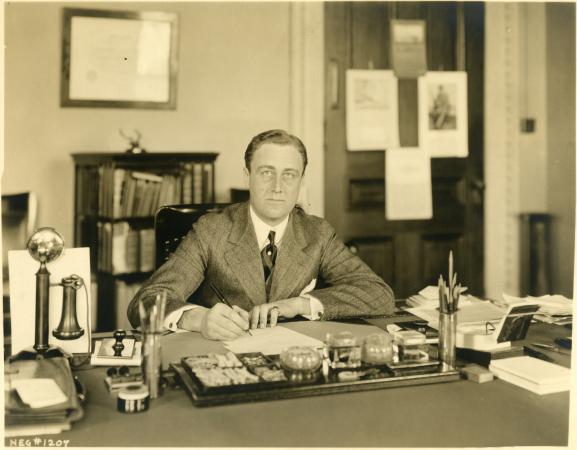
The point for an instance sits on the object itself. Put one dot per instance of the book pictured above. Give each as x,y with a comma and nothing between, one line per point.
147,249
484,357
155,198
197,183
207,194
187,184
538,376
55,427
119,261
132,250
119,175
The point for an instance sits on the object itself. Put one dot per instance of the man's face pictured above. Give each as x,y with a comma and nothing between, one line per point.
274,181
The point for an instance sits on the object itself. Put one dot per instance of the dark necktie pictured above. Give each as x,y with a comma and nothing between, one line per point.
268,255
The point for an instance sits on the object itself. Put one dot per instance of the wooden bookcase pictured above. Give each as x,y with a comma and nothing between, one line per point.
115,198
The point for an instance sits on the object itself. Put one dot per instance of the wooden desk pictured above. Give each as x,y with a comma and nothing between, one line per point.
455,414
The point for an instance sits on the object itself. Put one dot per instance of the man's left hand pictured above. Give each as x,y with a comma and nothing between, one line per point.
270,312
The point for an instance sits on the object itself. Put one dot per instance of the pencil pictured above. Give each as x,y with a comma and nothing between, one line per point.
451,269
223,299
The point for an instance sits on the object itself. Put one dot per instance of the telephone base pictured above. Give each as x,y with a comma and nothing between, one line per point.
31,353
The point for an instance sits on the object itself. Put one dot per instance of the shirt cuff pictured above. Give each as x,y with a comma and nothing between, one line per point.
317,308
171,321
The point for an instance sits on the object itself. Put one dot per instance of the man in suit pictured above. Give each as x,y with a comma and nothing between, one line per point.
267,257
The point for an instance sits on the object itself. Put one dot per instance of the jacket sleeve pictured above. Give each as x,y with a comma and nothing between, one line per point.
179,277
353,288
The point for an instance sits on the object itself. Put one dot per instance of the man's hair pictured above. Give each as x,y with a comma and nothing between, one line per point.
280,137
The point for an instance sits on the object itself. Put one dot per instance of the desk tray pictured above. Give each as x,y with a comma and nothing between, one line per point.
295,385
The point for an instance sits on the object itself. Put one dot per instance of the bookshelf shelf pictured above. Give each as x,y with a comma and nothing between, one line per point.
115,198
135,219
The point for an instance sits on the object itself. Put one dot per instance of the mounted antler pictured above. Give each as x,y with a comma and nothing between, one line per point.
133,141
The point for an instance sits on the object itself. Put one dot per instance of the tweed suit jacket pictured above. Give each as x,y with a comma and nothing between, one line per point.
221,248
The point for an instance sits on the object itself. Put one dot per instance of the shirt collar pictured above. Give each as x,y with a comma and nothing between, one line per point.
262,229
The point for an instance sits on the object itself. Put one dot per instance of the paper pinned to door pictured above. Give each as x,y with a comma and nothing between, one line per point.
372,110
408,190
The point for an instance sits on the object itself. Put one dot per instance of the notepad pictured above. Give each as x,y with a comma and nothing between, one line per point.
534,374
39,392
270,341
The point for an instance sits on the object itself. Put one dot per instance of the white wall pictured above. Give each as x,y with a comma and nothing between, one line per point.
235,79
529,72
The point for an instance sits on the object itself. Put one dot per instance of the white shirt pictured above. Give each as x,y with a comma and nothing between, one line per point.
261,230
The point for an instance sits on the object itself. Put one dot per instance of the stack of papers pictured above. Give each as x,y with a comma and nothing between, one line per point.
536,375
429,298
553,308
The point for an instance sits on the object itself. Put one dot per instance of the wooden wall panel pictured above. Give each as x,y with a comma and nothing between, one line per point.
441,36
435,251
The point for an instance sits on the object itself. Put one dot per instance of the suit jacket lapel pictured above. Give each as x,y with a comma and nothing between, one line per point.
290,265
243,256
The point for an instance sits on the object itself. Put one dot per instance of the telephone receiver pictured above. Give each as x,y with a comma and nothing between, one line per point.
69,328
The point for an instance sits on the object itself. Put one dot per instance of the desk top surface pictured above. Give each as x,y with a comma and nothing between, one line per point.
454,414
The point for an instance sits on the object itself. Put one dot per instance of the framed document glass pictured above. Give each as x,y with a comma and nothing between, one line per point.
119,59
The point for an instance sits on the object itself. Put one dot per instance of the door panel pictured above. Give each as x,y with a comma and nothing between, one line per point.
407,254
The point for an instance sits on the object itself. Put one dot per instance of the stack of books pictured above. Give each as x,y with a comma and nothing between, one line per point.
535,375
40,397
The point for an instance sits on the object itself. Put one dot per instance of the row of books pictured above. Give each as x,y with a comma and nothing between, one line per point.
128,193
87,200
123,249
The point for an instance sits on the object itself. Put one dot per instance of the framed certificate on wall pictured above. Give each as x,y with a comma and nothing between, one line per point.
119,59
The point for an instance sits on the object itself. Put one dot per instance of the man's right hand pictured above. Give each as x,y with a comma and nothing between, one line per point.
221,322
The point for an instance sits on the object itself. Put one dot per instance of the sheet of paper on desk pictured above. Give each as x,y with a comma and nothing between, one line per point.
479,311
270,341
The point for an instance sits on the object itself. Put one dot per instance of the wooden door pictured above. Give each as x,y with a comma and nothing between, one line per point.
407,254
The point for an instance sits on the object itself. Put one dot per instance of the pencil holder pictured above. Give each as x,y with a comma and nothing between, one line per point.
152,362
447,337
